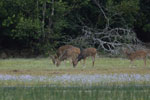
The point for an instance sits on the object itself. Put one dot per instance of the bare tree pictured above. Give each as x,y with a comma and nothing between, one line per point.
80,42
110,39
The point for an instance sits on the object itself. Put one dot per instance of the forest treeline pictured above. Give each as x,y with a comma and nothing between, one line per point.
44,25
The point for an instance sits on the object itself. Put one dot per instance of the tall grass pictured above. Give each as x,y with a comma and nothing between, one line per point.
76,93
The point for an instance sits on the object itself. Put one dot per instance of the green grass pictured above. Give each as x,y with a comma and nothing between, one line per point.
16,90
76,93
21,63
46,63
44,66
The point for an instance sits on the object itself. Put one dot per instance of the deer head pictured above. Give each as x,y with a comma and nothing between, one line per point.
75,62
57,62
54,58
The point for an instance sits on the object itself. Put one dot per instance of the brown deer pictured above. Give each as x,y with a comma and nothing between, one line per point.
89,52
59,52
71,53
138,54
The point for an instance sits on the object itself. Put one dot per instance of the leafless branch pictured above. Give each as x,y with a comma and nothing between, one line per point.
109,39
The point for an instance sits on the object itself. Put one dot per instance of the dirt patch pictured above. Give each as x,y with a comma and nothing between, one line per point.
49,72
15,70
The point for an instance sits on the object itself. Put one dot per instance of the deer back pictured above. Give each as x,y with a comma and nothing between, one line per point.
86,53
139,54
69,53
136,54
62,49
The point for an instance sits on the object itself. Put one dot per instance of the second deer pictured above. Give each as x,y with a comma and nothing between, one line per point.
70,53
138,54
59,52
88,52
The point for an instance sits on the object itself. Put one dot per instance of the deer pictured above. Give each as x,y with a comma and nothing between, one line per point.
59,52
71,53
138,54
88,52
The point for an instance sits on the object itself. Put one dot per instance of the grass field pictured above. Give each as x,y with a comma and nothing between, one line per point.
39,79
72,93
45,67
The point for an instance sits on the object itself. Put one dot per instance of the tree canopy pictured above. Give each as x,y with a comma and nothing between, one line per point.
44,25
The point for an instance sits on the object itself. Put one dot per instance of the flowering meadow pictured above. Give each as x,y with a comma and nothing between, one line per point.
78,80
39,79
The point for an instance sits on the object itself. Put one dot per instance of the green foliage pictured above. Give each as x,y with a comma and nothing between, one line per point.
144,15
45,25
123,11
146,28
59,17
27,28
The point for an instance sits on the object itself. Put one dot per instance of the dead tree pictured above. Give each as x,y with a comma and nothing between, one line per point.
109,39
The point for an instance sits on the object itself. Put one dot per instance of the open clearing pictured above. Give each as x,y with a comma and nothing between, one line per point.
44,66
43,71
39,79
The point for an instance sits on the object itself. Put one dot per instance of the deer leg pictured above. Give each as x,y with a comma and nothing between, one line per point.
73,62
53,60
93,60
84,62
131,62
80,61
65,62
145,61
70,61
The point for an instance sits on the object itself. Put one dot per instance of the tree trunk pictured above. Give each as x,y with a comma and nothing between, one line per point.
43,20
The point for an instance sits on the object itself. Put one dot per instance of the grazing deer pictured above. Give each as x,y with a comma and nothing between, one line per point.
68,53
89,52
59,52
142,54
